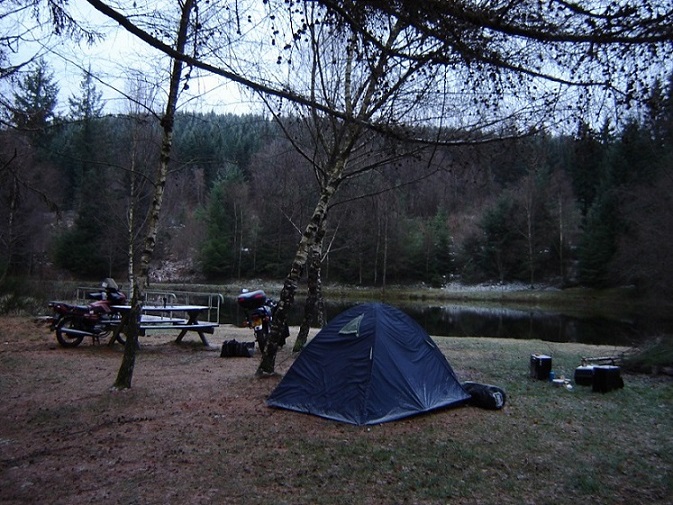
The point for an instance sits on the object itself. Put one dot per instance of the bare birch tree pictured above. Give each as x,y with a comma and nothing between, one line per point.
141,279
365,80
519,64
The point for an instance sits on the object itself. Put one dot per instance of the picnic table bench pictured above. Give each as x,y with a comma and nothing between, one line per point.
163,317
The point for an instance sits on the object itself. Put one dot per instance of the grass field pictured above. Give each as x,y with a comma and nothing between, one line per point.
549,445
65,439
195,429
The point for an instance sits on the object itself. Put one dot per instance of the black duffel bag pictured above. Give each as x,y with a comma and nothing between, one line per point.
485,396
235,349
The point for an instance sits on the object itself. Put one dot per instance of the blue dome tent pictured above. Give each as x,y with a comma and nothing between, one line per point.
371,364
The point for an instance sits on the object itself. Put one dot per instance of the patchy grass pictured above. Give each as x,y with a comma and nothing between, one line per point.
550,445
195,429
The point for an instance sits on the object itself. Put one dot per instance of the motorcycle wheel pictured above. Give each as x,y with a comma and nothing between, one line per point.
64,339
121,338
262,338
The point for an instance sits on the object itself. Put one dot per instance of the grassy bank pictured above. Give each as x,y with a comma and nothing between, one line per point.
549,445
557,446
608,301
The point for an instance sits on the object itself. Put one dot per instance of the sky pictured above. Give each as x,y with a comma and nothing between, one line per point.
118,62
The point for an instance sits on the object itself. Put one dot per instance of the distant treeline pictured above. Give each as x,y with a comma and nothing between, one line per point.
591,208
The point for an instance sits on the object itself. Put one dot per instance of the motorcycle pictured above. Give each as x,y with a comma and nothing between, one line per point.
259,311
74,322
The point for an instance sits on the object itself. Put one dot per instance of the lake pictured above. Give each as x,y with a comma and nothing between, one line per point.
505,322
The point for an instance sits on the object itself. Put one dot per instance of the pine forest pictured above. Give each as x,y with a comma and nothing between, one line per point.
589,207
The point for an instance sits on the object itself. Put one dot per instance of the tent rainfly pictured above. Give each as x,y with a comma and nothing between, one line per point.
371,364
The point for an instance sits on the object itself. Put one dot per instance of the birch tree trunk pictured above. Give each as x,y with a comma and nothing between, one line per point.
314,293
313,234
338,149
141,281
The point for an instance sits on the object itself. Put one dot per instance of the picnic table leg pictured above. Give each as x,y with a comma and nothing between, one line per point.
115,334
117,330
193,320
203,339
121,327
184,332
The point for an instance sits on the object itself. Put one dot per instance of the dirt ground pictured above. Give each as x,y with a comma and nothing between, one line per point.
184,433
195,429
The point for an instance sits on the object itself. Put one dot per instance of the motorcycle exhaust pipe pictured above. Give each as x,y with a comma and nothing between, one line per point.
76,333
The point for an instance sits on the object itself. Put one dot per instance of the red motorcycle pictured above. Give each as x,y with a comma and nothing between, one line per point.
74,322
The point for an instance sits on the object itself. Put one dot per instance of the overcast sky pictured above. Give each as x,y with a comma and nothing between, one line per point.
120,60
117,62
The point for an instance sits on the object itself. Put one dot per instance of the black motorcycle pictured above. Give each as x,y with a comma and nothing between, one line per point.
98,319
259,311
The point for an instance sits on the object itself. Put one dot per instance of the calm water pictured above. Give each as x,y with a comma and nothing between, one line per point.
497,321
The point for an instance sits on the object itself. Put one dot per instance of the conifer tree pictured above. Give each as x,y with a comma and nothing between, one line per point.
217,254
88,104
84,249
85,109
34,107
599,241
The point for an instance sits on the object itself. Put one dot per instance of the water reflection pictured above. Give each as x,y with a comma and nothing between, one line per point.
505,322
459,320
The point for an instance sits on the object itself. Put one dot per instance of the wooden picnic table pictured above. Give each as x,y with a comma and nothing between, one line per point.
163,317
